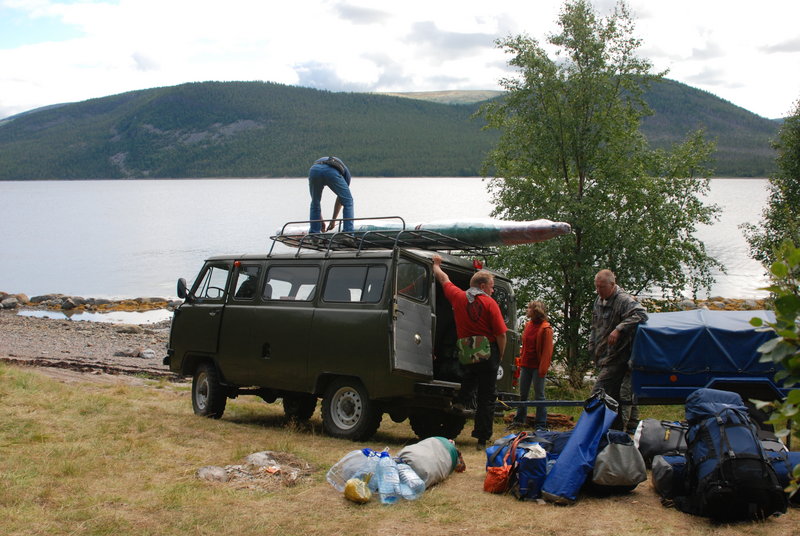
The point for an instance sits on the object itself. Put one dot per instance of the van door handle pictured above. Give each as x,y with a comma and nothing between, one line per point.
213,312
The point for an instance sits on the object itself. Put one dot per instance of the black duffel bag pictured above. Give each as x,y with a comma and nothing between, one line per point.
654,437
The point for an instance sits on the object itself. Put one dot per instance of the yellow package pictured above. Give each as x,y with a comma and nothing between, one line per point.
357,491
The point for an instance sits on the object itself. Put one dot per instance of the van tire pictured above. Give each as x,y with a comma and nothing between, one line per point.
347,411
208,394
430,423
299,407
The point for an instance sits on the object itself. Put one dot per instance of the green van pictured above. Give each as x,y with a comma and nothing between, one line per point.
363,327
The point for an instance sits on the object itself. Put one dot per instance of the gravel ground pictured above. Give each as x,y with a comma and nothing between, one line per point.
86,347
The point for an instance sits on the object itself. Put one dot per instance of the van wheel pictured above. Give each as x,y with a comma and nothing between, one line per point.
429,423
347,411
300,406
208,394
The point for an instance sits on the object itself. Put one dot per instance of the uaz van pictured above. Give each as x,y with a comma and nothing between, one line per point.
356,321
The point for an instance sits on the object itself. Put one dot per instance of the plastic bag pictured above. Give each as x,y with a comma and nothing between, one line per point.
356,463
357,490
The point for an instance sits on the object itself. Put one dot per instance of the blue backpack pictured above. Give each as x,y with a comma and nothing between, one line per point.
728,476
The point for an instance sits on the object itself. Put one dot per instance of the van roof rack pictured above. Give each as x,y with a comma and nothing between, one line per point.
389,232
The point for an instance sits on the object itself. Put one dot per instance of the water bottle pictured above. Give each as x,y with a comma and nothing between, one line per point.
356,463
388,479
411,485
369,470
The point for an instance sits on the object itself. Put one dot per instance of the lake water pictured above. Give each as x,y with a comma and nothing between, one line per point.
121,239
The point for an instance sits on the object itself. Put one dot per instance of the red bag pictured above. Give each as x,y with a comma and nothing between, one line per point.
498,479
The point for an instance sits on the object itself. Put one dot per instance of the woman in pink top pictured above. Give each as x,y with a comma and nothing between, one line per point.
535,356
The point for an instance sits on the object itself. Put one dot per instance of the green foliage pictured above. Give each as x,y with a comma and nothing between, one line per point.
781,217
254,129
784,349
571,150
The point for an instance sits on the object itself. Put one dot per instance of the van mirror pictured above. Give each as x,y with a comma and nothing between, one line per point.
183,293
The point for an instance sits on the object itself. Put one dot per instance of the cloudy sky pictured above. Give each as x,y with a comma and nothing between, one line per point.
54,51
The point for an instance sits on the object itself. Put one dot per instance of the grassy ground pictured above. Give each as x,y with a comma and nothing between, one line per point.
94,458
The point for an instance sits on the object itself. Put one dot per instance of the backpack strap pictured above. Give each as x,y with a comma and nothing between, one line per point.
512,450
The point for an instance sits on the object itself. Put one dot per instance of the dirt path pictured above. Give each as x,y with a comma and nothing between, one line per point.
84,347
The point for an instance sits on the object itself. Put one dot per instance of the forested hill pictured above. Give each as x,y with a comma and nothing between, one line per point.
256,129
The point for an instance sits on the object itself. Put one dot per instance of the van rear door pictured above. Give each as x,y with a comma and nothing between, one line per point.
413,321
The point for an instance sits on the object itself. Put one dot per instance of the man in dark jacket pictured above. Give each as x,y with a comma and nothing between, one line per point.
614,318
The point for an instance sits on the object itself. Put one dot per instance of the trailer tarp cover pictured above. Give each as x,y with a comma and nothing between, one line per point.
701,341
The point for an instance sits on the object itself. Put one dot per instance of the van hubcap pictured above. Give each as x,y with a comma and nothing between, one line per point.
347,408
201,394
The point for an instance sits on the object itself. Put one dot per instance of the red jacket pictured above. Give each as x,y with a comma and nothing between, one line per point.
537,346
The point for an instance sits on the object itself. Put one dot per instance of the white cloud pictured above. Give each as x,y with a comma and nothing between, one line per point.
748,56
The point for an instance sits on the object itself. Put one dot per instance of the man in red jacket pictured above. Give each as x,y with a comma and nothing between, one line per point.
476,313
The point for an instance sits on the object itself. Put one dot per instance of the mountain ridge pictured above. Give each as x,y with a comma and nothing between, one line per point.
262,129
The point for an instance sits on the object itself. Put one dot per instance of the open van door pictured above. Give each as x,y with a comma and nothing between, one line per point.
413,321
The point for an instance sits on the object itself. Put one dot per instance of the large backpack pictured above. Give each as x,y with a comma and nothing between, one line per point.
728,475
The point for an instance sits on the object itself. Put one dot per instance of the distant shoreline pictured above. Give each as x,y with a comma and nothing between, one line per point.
78,304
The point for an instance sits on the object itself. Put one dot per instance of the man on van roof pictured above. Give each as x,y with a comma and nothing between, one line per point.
331,172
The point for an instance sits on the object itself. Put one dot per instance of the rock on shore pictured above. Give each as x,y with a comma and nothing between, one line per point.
65,302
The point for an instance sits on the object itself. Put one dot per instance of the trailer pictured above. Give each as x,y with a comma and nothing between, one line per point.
676,353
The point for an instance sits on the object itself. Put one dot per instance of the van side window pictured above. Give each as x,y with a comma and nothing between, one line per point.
246,284
298,283
212,286
355,284
412,279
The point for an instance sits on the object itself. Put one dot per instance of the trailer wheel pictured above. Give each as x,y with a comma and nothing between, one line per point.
429,423
208,394
347,411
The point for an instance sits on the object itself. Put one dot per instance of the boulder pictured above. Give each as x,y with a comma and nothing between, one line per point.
687,305
10,302
150,300
128,328
46,298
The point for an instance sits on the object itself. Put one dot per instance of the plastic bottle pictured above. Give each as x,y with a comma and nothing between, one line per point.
371,471
388,479
356,463
411,485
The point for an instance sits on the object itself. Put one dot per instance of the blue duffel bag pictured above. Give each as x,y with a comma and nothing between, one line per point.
576,461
